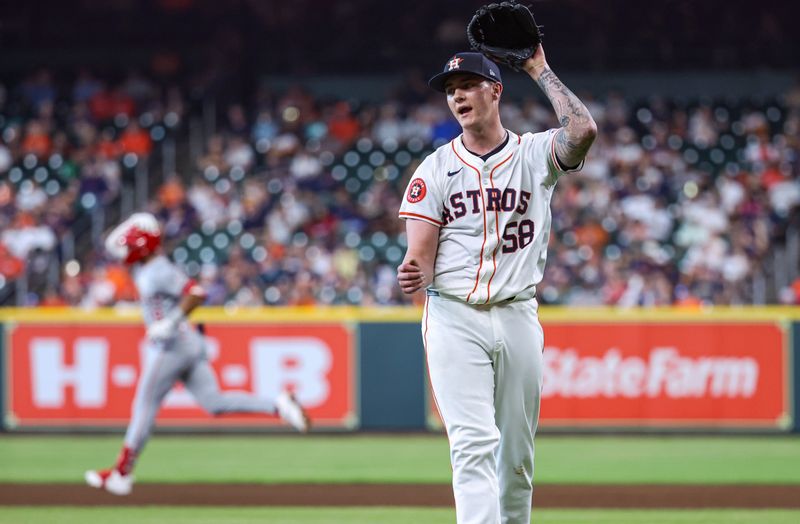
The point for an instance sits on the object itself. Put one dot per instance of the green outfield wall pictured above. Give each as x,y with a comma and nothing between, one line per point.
655,370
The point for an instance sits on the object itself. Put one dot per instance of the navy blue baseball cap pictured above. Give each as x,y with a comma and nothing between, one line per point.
474,63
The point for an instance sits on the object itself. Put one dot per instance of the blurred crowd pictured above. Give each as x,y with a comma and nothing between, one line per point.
292,200
680,204
65,152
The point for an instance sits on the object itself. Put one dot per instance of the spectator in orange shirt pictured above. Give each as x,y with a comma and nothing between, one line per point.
136,140
106,145
11,267
7,198
791,294
171,194
101,105
37,140
105,105
342,125
52,298
124,288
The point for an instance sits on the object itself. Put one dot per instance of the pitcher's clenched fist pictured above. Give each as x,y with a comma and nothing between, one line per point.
410,277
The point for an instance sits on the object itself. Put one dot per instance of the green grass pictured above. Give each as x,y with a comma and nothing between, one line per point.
215,515
665,517
664,460
416,459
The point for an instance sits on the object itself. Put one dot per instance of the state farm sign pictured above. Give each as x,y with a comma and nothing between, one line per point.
87,375
664,372
704,374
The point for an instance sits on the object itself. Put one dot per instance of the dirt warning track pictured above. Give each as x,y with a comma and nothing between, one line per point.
431,495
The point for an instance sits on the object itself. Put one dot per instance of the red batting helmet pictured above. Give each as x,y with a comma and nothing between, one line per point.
140,243
136,238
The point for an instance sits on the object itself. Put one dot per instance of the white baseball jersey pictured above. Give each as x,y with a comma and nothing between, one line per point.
160,284
494,215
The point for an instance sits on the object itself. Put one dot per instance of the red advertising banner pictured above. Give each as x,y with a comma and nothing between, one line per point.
663,375
86,375
704,374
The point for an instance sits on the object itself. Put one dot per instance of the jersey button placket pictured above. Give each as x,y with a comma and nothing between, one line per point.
491,238
491,246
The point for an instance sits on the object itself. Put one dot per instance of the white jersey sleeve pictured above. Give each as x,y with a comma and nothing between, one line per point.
545,147
423,198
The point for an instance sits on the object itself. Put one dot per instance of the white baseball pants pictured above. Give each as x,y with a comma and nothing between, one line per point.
485,365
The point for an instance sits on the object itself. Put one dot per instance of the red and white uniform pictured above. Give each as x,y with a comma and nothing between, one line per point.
480,326
175,351
161,284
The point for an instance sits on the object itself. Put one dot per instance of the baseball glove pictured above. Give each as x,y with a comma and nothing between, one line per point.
504,32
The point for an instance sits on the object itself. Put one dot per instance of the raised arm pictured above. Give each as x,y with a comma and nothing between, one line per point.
578,129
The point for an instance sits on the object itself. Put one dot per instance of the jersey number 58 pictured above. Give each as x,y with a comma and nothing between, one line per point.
517,235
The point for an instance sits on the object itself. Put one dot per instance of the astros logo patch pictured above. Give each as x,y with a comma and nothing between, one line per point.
454,63
416,191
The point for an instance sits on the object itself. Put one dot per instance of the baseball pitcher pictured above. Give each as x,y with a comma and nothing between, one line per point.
478,218
177,350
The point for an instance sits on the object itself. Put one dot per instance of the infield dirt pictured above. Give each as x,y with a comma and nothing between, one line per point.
430,495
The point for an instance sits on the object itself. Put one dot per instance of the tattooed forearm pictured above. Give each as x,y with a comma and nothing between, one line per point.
578,129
